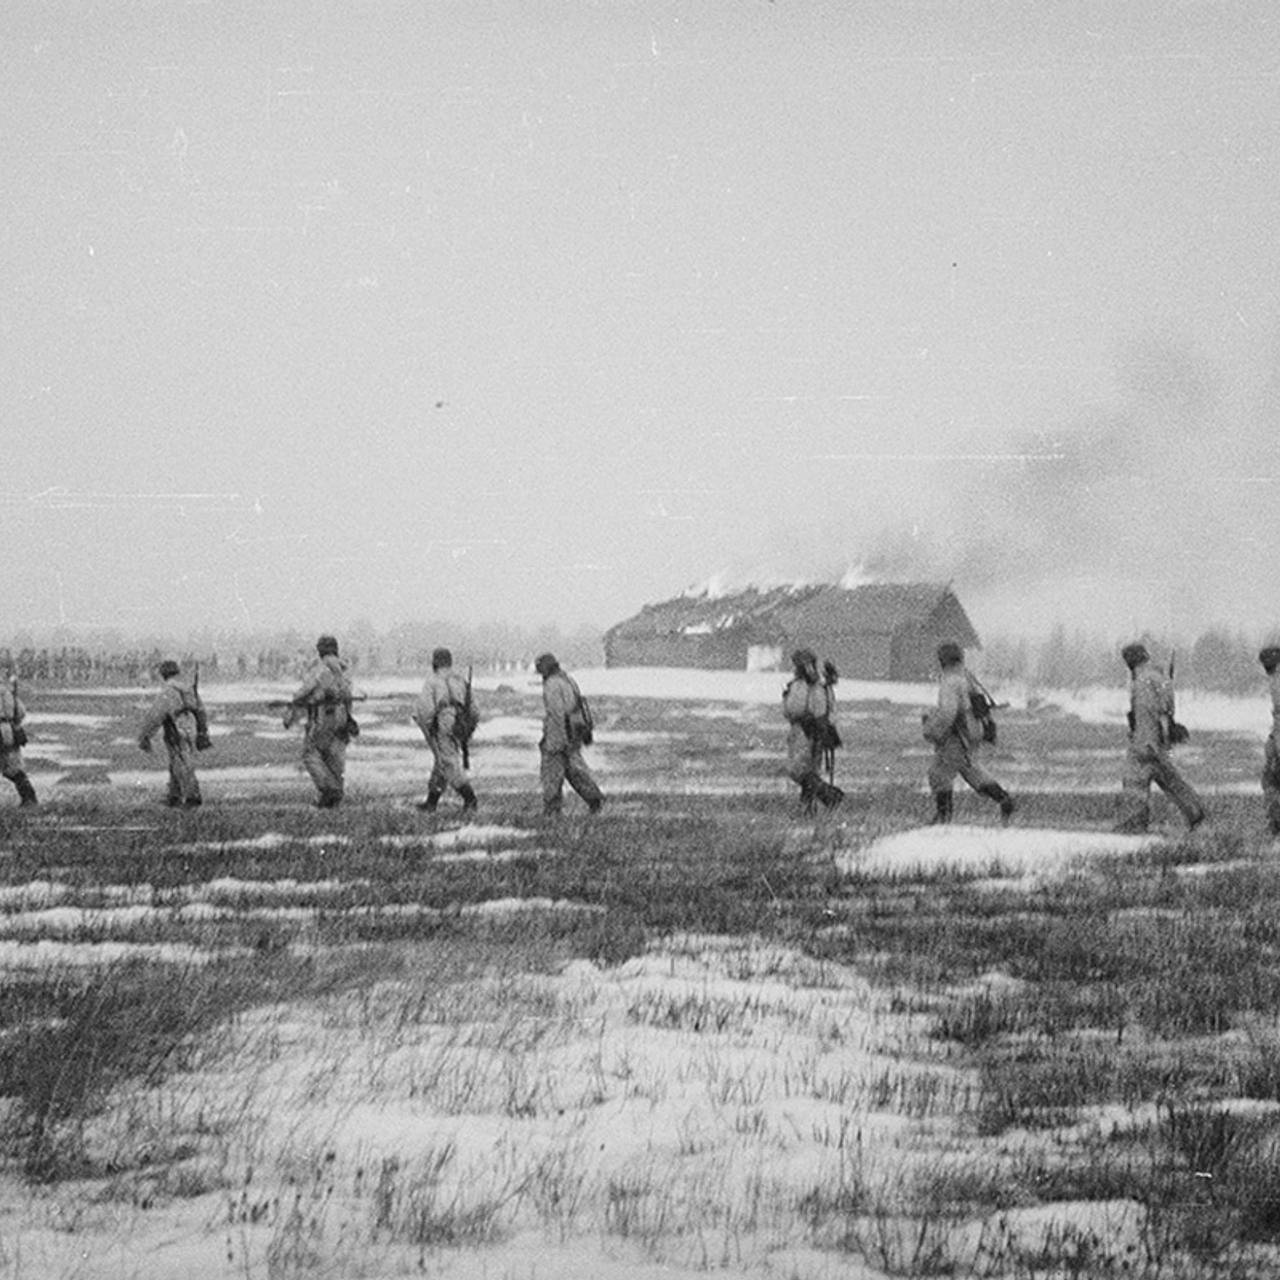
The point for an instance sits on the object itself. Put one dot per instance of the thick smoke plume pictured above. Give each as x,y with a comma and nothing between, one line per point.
1150,513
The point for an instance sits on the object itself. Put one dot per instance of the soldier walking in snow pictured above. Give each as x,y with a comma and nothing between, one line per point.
1152,730
566,729
1270,659
325,698
446,718
178,714
950,727
809,706
12,737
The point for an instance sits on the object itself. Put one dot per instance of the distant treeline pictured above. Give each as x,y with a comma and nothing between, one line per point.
107,659
1217,661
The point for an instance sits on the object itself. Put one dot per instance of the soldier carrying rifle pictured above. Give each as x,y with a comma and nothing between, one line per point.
446,715
178,714
12,739
809,705
325,698
1270,659
955,727
1152,731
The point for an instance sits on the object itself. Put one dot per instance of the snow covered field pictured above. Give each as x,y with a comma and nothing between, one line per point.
714,1102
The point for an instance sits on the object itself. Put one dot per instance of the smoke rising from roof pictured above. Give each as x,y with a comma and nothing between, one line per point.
1150,512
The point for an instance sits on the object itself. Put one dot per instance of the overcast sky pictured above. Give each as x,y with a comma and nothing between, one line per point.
541,311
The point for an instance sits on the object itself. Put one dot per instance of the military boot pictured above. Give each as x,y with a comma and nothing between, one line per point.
994,791
468,798
943,802
26,792
828,793
432,802
806,794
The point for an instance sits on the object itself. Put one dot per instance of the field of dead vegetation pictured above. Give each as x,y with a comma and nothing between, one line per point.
697,1034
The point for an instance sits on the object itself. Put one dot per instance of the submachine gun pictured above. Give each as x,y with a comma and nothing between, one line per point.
982,707
1177,733
203,741
465,719
828,735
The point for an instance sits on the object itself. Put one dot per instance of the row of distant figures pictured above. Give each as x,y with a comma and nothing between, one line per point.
77,666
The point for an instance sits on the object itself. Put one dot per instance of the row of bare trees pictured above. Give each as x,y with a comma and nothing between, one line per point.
1217,660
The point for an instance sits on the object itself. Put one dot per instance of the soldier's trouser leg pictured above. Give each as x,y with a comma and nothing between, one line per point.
552,775
1271,786
581,780
11,768
828,794
326,764
447,770
801,765
184,787
949,757
1179,790
1135,794
977,777
994,791
943,802
806,793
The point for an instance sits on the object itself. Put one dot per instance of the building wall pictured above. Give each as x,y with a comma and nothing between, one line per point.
719,651
857,655
915,653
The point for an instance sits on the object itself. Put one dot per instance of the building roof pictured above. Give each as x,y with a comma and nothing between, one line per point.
704,613
878,608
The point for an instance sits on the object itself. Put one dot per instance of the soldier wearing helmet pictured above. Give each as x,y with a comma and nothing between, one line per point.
441,714
566,729
178,714
1152,729
1270,659
12,737
951,729
809,706
324,697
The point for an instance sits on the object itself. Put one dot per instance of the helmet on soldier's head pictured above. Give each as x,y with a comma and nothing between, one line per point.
950,654
441,658
327,644
168,668
803,659
1270,658
1134,655
546,663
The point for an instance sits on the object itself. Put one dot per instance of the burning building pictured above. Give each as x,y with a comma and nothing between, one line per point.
871,630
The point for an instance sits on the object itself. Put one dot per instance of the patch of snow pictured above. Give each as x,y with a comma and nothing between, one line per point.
464,836
268,840
1012,850
50,954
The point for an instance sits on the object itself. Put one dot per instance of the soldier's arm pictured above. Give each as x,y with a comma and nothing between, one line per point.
161,708
940,721
558,697
303,695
